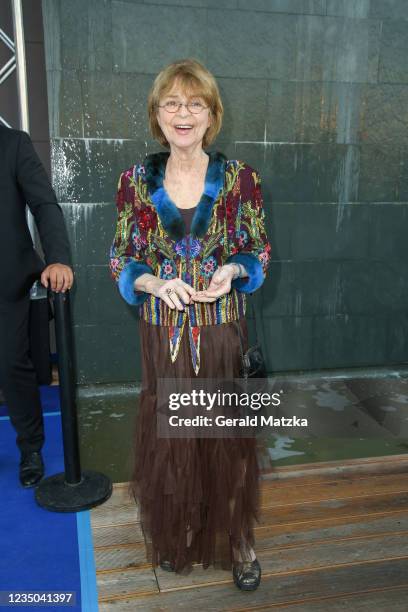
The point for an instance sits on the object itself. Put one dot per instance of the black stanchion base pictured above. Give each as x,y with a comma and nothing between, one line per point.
54,494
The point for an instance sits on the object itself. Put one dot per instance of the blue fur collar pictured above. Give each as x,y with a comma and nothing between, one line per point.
170,216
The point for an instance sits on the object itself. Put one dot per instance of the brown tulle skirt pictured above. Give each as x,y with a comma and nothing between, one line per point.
197,497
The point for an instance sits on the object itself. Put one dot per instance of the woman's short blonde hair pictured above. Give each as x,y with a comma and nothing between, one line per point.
194,80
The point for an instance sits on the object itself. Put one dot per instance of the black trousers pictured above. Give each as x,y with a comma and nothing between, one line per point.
18,378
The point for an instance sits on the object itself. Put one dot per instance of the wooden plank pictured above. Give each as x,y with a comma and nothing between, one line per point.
343,537
122,515
305,477
275,589
272,535
335,489
122,584
298,558
327,479
118,510
364,507
121,510
329,522
379,601
117,534
312,531
120,557
367,465
313,522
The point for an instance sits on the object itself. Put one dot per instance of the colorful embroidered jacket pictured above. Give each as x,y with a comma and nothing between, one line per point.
150,237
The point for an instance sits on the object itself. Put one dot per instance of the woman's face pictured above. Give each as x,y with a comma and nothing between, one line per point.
186,139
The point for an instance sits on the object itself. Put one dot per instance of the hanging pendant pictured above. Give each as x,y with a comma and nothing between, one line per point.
175,335
194,338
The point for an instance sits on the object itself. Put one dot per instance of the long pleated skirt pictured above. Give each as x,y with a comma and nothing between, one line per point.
197,497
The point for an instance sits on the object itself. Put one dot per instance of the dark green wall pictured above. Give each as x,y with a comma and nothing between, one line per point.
316,99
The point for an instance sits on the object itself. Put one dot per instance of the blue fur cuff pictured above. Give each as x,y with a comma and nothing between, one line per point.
254,269
127,277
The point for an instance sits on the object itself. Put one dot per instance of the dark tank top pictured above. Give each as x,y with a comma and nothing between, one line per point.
187,214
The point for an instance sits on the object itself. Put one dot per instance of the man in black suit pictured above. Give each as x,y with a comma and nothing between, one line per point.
23,180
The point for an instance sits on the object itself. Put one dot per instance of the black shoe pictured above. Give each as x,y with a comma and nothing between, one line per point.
167,566
31,468
247,576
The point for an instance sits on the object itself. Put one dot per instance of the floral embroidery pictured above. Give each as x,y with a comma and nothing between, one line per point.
265,257
208,266
114,263
242,238
138,241
168,269
181,246
146,219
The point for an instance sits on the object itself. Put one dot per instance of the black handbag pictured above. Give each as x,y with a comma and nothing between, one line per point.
252,368
252,360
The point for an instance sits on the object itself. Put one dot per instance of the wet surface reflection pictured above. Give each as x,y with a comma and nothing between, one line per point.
365,416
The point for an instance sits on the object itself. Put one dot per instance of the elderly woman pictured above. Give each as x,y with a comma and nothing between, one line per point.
190,245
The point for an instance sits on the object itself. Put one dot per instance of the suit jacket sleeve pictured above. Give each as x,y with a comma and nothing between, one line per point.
42,202
127,261
251,247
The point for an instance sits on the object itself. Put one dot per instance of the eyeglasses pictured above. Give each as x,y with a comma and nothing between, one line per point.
171,106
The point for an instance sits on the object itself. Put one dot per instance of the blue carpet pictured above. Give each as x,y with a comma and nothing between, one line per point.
42,550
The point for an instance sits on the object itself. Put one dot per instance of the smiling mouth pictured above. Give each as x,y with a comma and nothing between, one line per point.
183,130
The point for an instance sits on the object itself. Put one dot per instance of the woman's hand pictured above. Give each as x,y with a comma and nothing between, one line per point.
175,292
220,284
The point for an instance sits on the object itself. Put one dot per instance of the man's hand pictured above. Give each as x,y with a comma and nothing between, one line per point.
58,277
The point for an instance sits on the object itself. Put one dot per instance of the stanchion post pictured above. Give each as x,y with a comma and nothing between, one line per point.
69,418
74,490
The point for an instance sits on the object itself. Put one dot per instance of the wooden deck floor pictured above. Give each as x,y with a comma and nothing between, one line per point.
333,536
